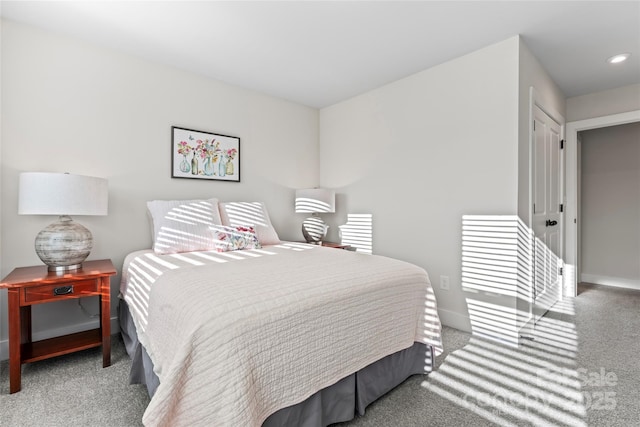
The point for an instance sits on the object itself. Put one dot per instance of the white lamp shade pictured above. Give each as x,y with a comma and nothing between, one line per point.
43,193
315,200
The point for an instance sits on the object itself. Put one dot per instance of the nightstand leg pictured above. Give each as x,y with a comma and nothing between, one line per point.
25,324
105,320
15,340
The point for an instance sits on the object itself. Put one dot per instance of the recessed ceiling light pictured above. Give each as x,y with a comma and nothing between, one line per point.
616,59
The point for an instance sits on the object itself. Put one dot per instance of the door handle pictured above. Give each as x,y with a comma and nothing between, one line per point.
550,223
63,290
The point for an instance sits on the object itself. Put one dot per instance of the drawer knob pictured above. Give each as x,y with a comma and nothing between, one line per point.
63,290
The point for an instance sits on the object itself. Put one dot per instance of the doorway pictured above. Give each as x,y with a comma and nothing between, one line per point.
609,205
572,236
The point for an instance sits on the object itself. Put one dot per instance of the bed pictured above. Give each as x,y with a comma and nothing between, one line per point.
282,334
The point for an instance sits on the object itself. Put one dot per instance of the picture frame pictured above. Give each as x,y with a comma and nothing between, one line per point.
198,154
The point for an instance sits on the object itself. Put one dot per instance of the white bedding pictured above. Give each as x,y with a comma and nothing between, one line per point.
235,336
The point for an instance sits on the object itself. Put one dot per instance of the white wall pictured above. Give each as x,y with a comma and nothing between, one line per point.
422,152
610,205
605,103
71,106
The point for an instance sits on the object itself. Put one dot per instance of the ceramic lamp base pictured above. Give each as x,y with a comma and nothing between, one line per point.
64,244
314,229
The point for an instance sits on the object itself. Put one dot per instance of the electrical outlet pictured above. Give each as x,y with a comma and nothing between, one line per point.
444,283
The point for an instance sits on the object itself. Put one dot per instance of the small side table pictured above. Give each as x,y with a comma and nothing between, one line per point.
336,245
35,285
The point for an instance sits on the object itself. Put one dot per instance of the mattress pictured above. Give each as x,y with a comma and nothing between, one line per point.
234,337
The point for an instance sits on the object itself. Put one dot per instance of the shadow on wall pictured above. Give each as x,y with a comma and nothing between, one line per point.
507,272
358,232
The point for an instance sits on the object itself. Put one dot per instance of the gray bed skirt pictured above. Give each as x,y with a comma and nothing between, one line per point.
336,403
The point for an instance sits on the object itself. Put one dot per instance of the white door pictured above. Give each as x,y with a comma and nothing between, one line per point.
547,212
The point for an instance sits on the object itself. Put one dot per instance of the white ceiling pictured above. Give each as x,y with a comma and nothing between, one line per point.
318,53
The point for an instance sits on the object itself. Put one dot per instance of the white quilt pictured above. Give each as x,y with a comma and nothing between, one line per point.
236,336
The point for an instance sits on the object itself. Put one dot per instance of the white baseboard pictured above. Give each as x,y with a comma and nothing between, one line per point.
618,282
454,320
50,333
526,331
463,323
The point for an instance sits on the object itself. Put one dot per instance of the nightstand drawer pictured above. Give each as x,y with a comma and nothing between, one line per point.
60,291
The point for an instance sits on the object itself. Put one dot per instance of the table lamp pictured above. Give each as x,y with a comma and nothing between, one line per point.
315,201
64,244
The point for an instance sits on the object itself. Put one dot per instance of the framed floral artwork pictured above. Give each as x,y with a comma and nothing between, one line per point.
204,155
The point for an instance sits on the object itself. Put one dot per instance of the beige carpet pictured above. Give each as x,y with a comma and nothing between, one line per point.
582,369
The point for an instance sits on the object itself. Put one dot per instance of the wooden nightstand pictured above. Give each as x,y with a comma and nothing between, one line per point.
35,285
336,245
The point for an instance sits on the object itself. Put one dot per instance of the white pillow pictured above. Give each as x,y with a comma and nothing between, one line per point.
184,225
250,214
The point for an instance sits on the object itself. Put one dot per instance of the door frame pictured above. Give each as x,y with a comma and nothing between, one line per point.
536,100
572,212
542,237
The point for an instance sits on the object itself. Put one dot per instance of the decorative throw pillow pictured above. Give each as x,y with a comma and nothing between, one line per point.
250,214
184,225
236,238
